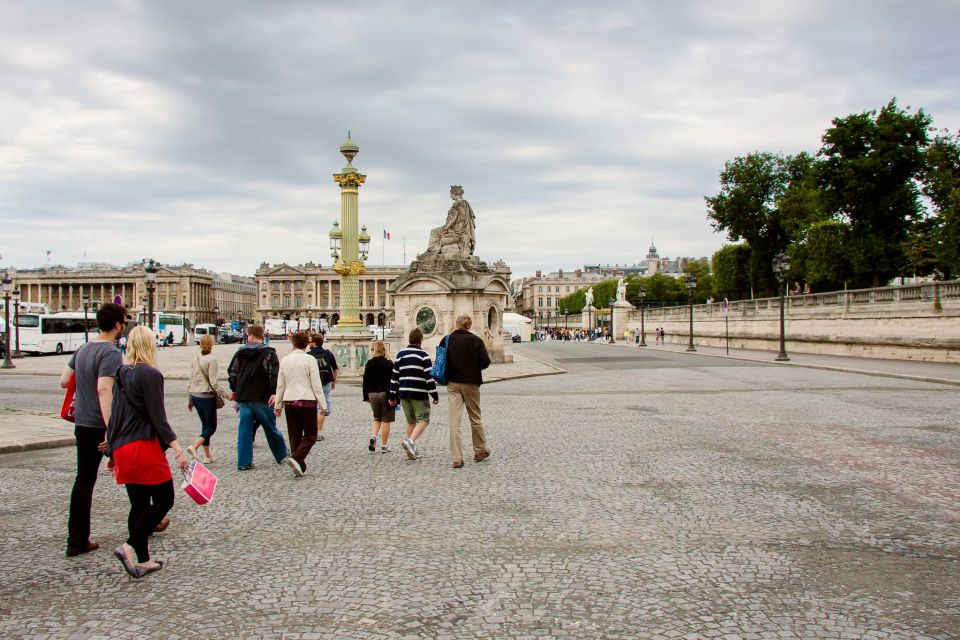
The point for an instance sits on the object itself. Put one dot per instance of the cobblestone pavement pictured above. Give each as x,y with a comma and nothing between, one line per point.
661,496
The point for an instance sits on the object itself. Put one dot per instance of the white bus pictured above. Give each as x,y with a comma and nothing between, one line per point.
164,323
56,333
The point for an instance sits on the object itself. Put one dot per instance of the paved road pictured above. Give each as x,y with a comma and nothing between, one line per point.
637,496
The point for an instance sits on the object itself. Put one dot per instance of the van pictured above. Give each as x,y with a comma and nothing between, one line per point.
204,329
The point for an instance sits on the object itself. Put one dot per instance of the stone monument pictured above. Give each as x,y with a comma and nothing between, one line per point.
589,311
448,279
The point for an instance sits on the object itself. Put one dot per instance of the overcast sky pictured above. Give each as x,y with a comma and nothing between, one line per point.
207,132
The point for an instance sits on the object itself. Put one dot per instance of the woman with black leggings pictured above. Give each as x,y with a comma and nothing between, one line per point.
138,434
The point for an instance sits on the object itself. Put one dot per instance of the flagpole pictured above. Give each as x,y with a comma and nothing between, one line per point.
383,247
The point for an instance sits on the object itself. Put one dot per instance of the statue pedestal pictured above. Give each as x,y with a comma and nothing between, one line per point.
588,317
621,314
351,348
436,289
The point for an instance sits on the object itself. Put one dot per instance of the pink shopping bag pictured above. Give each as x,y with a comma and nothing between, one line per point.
199,483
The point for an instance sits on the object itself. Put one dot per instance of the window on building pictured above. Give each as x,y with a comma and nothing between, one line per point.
299,302
276,301
540,302
558,288
336,301
276,285
286,301
539,289
568,289
549,302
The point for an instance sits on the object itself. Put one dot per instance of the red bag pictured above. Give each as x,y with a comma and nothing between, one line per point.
199,483
68,410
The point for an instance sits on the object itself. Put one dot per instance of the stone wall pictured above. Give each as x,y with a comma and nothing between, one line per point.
915,322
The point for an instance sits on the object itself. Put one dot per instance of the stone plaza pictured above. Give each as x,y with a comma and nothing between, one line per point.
641,494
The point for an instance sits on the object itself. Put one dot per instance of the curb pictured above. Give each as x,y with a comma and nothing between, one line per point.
37,446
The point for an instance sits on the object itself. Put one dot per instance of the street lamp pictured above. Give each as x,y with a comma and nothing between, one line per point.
216,318
336,235
7,285
86,320
143,303
16,322
383,321
613,334
781,266
364,242
150,268
183,322
642,293
691,285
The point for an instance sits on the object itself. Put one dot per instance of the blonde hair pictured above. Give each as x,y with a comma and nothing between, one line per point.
141,347
464,321
378,349
206,344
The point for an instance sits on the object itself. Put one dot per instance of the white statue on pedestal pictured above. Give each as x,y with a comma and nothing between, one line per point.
621,290
589,298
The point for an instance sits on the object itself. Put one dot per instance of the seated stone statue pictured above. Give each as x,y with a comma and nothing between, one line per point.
456,238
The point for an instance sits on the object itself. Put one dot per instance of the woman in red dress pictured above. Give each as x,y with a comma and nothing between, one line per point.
138,434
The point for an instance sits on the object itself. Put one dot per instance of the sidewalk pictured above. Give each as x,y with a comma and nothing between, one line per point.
939,372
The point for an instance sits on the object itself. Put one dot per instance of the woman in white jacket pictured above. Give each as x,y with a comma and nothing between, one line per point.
299,395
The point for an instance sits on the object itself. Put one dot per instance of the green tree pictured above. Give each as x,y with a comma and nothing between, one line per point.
747,207
826,255
731,272
867,177
941,184
700,269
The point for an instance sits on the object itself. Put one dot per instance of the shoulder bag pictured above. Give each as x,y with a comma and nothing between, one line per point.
216,394
439,370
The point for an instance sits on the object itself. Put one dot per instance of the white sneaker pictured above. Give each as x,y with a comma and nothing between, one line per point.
385,449
410,448
297,471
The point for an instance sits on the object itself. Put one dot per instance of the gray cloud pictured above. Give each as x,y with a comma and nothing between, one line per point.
208,132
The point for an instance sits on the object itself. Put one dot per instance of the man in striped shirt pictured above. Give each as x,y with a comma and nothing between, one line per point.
412,386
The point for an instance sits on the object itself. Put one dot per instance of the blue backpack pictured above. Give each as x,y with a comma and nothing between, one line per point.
439,370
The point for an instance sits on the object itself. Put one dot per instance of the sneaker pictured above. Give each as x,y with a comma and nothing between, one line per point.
194,454
385,449
319,437
372,446
297,471
249,467
410,448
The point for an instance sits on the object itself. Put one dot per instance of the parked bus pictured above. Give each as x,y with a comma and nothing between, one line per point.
164,323
56,333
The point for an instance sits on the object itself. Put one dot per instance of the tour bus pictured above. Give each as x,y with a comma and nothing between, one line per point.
55,333
204,329
164,323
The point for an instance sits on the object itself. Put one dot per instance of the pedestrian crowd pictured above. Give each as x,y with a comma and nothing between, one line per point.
119,413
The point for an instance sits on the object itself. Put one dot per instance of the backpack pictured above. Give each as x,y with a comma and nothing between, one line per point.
326,371
439,370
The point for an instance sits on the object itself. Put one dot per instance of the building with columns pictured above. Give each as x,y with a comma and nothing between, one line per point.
182,289
311,291
539,296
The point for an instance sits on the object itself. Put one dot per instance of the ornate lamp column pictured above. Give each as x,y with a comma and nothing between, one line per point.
781,265
349,263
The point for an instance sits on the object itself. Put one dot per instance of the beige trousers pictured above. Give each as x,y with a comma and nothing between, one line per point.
459,396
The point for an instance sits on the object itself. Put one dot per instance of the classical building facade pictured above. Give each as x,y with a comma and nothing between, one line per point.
235,297
539,295
181,289
311,291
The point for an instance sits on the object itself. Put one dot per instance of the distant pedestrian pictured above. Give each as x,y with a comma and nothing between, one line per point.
299,396
466,357
376,391
253,384
137,436
122,343
412,386
93,366
327,363
204,390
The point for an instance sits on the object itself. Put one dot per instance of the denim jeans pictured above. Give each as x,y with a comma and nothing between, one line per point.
207,412
264,415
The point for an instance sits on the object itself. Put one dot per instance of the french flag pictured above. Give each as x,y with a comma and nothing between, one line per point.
386,235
